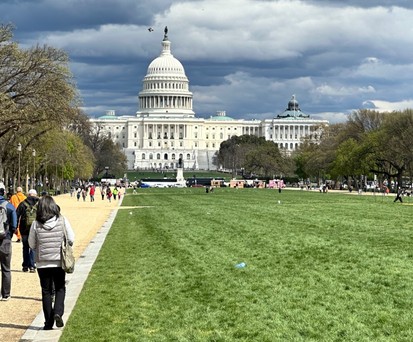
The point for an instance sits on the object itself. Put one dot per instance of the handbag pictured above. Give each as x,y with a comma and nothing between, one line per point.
67,257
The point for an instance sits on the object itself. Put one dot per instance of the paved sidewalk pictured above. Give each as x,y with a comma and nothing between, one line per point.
21,317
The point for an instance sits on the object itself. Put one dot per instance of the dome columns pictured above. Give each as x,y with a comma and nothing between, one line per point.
165,102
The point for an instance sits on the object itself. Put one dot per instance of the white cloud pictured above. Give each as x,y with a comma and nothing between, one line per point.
342,91
332,117
386,106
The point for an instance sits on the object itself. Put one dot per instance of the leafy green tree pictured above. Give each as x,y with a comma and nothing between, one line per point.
109,155
368,143
355,158
394,156
265,160
37,94
253,155
62,155
314,159
310,161
232,152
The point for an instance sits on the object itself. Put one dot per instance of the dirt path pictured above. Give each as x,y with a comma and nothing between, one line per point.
18,313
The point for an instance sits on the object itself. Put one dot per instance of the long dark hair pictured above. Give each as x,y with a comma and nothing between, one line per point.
46,209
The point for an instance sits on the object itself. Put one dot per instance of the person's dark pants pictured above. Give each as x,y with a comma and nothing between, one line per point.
28,253
50,276
5,261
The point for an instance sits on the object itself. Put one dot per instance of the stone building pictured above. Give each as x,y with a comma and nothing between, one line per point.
165,127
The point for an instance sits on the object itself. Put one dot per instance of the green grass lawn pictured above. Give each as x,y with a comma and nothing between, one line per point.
319,267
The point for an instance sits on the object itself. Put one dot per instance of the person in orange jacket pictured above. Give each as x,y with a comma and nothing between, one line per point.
16,199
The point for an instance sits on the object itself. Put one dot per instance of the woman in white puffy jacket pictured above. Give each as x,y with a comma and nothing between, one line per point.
46,235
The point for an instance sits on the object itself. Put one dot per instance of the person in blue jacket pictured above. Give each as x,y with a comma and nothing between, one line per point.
5,248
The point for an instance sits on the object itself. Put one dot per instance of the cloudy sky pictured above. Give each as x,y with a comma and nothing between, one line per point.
247,57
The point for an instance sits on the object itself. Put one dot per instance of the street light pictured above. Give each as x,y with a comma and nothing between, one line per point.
19,151
45,180
34,169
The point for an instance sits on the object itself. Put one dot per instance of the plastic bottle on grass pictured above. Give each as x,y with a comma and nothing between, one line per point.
241,265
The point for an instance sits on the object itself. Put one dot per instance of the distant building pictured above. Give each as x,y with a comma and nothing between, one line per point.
166,129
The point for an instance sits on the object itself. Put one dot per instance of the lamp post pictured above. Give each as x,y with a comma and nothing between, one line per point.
19,151
34,169
45,180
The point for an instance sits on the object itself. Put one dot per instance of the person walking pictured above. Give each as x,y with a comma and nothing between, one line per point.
26,214
103,192
6,248
109,194
84,194
115,192
92,193
399,195
46,236
16,199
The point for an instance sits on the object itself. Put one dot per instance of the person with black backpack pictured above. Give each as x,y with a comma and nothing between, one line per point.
8,224
26,215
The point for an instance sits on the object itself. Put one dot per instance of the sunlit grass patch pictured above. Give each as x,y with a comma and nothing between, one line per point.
325,267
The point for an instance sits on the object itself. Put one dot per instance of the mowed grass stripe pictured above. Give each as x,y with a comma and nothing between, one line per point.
328,267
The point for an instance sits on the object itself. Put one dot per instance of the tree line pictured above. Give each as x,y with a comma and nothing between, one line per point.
44,134
369,145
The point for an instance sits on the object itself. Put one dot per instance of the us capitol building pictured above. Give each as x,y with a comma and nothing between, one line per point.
166,129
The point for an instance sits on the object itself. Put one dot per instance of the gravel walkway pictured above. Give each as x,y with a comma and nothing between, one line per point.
18,313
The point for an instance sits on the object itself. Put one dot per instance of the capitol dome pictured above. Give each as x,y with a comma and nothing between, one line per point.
166,64
165,87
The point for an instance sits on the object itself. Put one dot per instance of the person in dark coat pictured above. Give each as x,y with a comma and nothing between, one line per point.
399,195
28,254
6,249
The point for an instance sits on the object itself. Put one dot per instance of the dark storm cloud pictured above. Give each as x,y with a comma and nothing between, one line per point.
67,15
243,56
366,3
